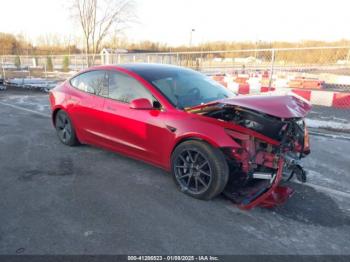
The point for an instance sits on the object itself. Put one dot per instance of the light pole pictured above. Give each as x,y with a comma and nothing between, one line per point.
191,33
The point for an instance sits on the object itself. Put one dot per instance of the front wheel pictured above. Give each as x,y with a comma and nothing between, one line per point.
65,129
199,169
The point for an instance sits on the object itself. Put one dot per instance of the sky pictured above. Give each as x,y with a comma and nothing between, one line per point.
171,21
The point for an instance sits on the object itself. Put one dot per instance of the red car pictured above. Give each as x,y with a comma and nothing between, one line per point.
182,121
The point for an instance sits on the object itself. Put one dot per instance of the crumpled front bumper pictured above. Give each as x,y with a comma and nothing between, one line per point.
272,196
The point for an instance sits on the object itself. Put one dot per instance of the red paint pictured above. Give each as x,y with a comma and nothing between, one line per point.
306,94
141,104
277,197
267,197
243,89
341,100
287,106
264,89
143,133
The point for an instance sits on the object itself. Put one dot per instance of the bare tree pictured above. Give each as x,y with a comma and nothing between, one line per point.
98,18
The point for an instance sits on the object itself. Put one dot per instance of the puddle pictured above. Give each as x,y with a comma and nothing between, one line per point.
64,167
312,207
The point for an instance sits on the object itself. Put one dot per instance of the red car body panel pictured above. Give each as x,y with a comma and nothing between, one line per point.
279,106
152,135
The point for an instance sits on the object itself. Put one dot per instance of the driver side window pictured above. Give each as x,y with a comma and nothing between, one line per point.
125,88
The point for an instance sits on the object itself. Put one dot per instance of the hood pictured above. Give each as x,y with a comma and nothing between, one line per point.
286,106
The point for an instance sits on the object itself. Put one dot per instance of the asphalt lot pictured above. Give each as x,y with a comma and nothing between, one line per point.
61,200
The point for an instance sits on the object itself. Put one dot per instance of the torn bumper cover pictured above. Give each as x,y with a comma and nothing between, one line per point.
270,140
258,167
267,191
257,172
271,196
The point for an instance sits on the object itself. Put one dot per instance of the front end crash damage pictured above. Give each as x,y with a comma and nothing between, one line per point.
272,139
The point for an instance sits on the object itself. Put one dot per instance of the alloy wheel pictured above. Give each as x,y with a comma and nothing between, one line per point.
193,171
64,128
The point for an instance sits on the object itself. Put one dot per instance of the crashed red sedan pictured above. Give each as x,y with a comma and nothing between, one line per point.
182,121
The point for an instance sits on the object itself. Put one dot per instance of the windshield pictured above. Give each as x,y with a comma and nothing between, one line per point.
188,88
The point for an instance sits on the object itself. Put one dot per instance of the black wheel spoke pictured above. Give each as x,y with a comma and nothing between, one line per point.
201,181
203,164
64,134
68,130
190,156
189,180
192,171
183,176
60,123
65,130
61,118
196,158
204,173
183,159
196,183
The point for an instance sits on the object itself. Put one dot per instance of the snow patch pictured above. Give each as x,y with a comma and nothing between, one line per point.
326,124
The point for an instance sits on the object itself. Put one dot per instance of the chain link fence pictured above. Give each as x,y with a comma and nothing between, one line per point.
306,62
318,74
253,58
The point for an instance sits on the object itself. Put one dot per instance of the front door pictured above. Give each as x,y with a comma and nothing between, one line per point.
134,132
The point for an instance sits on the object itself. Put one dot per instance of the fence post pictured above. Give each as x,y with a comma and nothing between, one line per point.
272,67
3,69
348,58
45,70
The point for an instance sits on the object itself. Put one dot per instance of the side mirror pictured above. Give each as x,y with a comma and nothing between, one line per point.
141,104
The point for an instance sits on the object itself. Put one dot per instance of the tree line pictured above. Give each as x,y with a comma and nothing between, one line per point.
17,45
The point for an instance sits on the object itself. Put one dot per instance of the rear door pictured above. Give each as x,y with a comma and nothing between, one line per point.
86,105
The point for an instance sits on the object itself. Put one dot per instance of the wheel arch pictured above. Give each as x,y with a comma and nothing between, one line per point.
222,145
53,115
196,137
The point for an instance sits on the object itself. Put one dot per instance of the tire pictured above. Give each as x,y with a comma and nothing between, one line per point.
65,129
199,169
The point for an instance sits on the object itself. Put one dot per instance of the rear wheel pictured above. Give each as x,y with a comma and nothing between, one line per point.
65,130
199,169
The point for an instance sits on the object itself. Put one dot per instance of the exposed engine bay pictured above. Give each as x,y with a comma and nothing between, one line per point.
259,165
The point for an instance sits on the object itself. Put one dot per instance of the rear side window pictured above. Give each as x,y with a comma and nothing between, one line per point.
125,88
94,82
